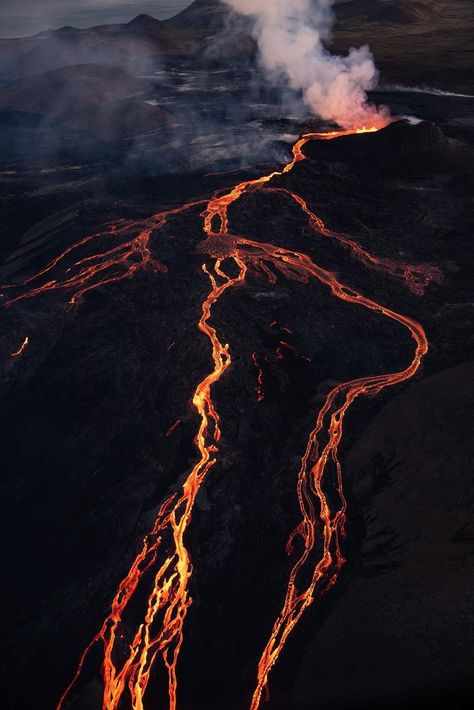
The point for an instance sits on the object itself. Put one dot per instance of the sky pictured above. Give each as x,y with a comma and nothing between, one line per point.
20,18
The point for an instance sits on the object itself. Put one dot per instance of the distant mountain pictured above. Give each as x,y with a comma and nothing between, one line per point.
104,102
147,26
420,42
391,11
107,44
201,14
414,42
69,89
184,34
212,14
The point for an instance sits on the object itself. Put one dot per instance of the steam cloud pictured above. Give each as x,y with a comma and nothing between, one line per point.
290,36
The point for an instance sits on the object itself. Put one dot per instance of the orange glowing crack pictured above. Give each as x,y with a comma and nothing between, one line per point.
173,427
260,390
22,348
287,346
162,568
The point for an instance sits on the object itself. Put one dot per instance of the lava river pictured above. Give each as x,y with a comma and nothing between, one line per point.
127,663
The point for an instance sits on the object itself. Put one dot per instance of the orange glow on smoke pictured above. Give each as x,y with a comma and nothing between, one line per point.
315,544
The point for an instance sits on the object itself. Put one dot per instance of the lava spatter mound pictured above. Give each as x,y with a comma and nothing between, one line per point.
399,149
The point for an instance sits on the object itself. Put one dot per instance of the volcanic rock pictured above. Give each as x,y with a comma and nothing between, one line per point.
29,139
69,106
145,24
404,626
422,44
399,149
116,120
105,44
392,11
462,184
201,14
69,89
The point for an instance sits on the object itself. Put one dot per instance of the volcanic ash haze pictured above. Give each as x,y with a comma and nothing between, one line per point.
290,36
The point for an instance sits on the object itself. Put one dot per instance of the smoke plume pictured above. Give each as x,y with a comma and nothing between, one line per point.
290,35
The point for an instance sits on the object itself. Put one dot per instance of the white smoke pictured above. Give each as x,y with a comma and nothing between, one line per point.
290,36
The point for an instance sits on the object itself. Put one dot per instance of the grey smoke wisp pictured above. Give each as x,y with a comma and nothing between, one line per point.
290,36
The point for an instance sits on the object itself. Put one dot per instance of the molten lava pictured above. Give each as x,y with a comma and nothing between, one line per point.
22,348
162,567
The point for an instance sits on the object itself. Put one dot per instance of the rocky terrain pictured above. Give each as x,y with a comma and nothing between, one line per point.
425,43
428,42
144,36
415,456
97,422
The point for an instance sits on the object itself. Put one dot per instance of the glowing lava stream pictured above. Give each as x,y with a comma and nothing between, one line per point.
316,458
170,596
127,663
21,349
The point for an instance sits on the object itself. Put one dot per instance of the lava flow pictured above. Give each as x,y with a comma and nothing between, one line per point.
162,568
161,632
114,264
22,348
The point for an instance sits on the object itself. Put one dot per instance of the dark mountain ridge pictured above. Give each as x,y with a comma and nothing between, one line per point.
144,36
202,15
423,42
